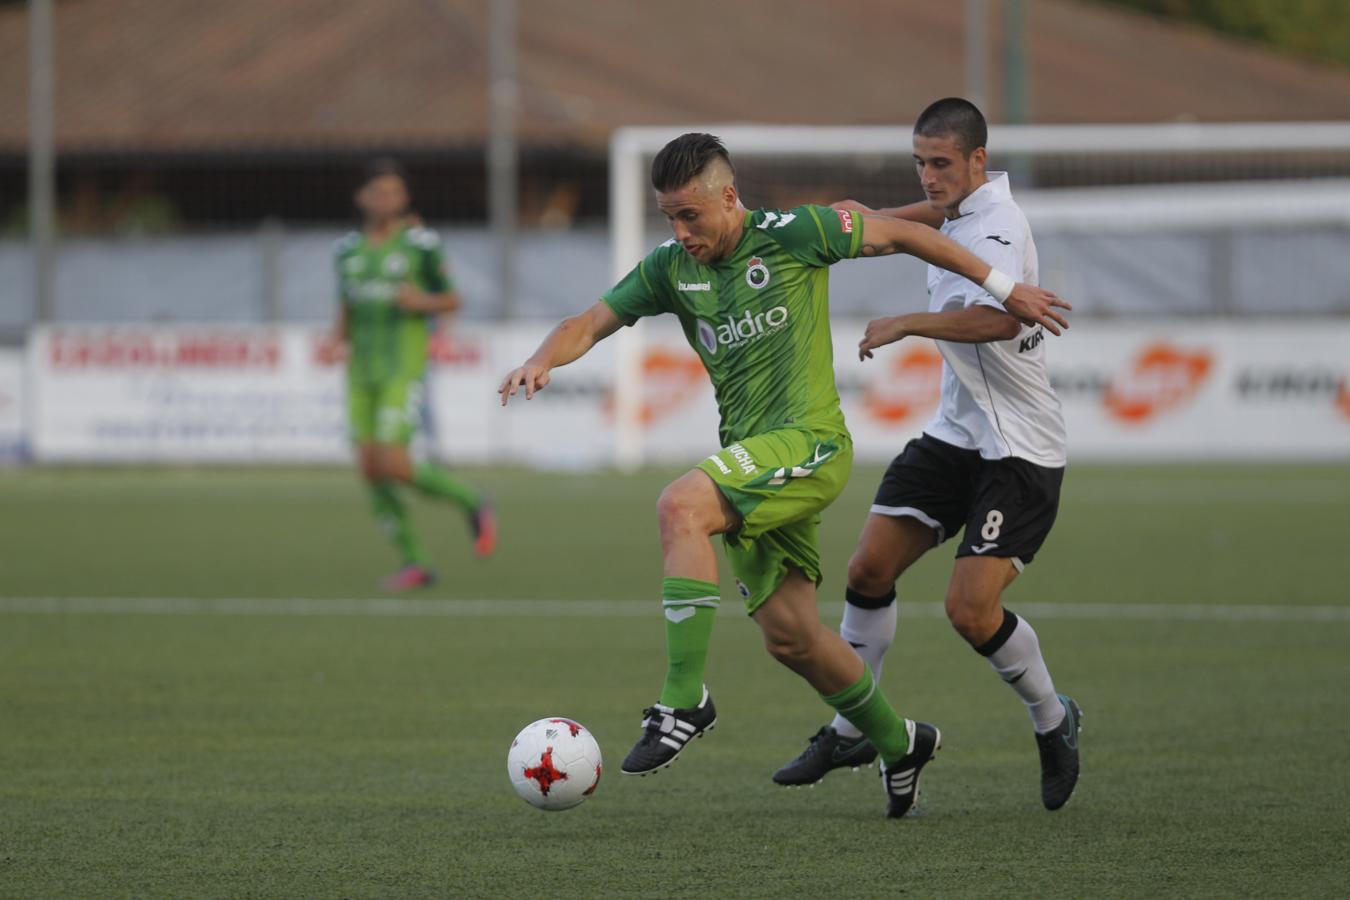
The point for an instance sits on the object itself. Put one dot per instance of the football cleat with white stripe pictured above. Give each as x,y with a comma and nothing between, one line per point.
666,732
901,780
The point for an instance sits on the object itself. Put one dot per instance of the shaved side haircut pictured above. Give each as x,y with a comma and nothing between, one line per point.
687,157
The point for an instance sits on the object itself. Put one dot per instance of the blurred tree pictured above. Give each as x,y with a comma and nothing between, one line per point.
1312,29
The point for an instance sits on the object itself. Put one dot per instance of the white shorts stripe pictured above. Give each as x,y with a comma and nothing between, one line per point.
925,518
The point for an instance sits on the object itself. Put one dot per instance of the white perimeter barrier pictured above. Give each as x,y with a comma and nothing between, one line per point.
1165,390
11,404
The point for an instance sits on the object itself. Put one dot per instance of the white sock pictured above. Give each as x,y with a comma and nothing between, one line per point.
870,631
1015,654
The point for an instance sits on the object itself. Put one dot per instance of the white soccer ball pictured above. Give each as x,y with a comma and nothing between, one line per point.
554,763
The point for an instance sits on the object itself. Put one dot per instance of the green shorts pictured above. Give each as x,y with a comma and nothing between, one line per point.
779,482
385,412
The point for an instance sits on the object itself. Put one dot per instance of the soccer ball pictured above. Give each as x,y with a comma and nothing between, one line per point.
554,764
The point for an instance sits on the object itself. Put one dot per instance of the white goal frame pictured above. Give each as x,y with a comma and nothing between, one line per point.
1205,205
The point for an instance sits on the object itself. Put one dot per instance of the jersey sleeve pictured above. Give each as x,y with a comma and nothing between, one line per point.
434,273
814,235
1003,247
341,250
341,282
644,291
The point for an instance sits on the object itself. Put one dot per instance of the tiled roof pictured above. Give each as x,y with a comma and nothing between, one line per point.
172,75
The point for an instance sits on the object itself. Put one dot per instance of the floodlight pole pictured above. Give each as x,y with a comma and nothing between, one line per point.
41,166
1016,86
1016,79
977,53
503,149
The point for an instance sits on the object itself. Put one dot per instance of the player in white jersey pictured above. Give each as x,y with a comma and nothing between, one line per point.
990,461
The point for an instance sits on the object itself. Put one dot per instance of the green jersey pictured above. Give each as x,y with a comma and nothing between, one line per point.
388,343
759,319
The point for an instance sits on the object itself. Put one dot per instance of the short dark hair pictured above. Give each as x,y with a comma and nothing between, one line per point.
379,168
685,158
956,118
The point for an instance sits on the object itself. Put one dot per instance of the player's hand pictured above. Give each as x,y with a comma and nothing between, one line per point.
331,350
879,333
531,376
1035,306
412,300
854,206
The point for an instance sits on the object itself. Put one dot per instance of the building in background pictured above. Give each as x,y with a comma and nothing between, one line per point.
216,116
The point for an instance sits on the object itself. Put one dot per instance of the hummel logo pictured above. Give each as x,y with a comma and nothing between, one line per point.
994,237
983,549
695,285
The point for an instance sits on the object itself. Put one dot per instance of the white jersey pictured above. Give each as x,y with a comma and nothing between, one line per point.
996,397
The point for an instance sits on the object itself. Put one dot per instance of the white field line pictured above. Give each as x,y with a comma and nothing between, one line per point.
598,609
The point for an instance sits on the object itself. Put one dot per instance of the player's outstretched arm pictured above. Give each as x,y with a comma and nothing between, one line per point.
566,343
977,324
922,212
413,299
883,236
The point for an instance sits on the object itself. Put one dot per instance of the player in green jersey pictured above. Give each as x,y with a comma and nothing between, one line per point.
393,285
750,289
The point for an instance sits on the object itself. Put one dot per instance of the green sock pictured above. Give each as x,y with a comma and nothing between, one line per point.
866,707
430,478
393,515
691,606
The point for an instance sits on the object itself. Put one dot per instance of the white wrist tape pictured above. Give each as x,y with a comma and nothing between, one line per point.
999,285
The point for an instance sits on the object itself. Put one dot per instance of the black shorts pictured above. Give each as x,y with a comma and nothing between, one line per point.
1007,506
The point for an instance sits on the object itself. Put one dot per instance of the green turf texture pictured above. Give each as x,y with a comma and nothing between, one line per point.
332,756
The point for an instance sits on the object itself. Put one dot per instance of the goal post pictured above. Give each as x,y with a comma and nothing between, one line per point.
1174,176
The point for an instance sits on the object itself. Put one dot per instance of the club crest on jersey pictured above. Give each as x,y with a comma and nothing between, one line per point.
756,273
395,265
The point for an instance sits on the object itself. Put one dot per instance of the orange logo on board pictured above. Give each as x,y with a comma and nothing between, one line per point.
1162,377
1343,398
912,386
670,379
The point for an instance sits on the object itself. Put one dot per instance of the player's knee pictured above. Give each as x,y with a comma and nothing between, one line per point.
970,615
391,465
870,575
790,649
678,510
370,469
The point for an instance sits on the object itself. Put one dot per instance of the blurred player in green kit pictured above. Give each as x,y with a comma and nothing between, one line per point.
392,284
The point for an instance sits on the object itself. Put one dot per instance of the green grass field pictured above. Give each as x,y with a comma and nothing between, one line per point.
280,749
